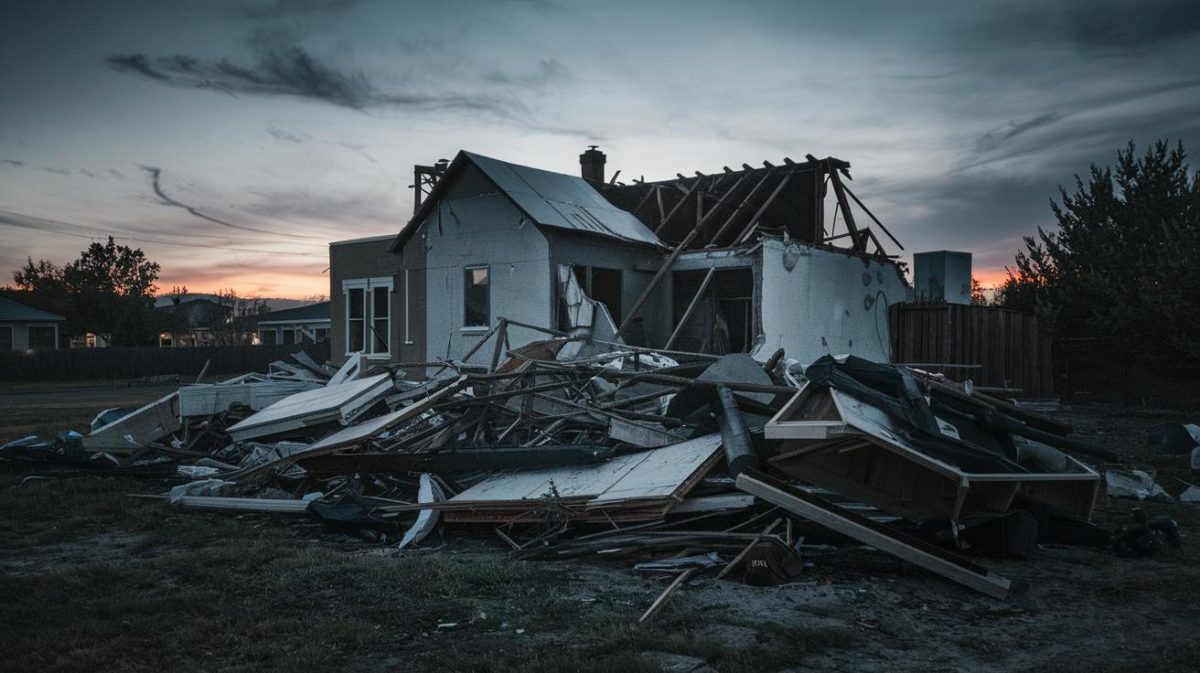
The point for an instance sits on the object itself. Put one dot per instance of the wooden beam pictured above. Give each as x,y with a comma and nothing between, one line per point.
741,206
872,216
860,242
659,602
662,270
686,195
903,546
691,308
752,225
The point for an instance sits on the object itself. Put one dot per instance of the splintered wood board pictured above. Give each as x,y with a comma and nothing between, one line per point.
812,413
319,405
206,399
855,526
138,428
647,475
360,432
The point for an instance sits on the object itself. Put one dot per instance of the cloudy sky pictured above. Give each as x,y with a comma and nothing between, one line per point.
232,140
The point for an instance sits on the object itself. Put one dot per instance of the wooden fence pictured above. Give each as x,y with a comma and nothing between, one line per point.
1010,348
128,363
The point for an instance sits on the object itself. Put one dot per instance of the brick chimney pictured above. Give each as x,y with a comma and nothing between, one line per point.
591,163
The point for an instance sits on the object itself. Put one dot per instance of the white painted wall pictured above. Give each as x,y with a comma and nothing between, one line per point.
819,305
483,229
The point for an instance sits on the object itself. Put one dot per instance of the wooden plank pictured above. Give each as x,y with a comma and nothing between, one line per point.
651,474
327,447
274,505
752,223
641,434
742,554
659,602
327,403
138,428
860,242
864,530
687,314
208,399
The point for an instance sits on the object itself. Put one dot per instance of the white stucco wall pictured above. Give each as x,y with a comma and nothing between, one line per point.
820,305
483,229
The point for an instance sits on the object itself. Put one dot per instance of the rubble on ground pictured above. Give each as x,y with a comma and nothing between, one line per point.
675,463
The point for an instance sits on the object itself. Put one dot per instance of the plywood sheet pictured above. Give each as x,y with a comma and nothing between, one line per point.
312,406
646,475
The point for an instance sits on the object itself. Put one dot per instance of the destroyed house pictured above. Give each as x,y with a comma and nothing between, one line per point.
737,261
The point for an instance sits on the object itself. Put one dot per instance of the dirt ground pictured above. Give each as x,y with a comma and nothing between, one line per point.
94,580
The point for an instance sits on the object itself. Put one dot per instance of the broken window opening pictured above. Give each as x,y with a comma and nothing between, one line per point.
723,318
599,284
476,296
381,319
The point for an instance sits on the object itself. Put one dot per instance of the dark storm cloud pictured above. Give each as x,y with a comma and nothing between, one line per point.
291,71
1132,26
994,138
302,203
54,170
275,9
1090,26
155,175
24,221
301,138
548,70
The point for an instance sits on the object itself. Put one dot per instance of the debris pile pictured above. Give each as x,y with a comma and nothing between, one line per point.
680,463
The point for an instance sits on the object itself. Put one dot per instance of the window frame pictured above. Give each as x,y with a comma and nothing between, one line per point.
29,327
467,269
368,286
11,335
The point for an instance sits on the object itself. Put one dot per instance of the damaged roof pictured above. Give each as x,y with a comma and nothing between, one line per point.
549,199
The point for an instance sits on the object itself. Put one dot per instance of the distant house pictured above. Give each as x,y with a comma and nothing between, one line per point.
24,328
303,324
734,261
191,321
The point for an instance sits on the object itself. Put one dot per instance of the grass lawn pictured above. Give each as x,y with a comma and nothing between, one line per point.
94,580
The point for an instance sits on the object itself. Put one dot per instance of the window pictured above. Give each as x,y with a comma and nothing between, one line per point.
267,337
368,316
407,308
6,338
322,334
356,312
380,319
476,297
41,337
289,336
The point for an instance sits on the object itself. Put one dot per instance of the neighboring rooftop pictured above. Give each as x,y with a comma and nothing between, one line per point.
310,313
11,311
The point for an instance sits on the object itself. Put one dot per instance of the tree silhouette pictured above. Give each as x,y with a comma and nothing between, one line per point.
1125,259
